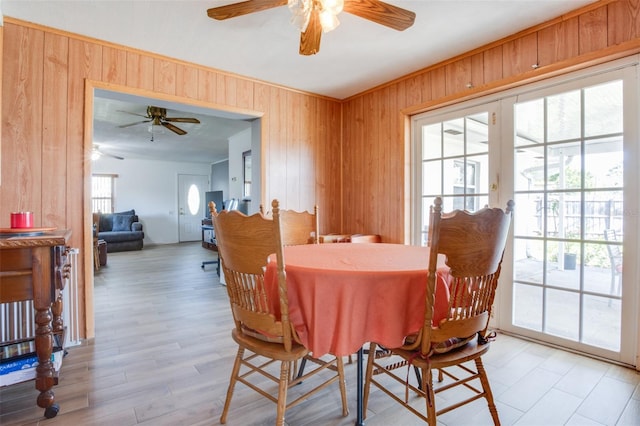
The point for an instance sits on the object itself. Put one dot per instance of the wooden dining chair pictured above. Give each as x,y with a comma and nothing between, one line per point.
244,244
298,228
335,238
365,238
473,244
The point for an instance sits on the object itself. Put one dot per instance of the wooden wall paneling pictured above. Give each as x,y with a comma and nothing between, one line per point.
372,168
276,178
221,89
114,62
390,170
54,130
623,21
292,163
244,93
308,139
427,89
321,151
139,71
520,55
359,156
22,123
477,70
261,103
330,159
186,81
438,83
353,137
164,76
492,64
1,120
558,42
206,85
85,62
593,30
458,75
230,93
414,90
401,136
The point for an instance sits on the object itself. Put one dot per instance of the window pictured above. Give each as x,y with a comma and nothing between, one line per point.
454,152
102,193
246,173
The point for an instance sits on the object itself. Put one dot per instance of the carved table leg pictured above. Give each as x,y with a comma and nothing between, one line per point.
43,297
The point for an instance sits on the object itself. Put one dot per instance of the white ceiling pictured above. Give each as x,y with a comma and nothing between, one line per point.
358,55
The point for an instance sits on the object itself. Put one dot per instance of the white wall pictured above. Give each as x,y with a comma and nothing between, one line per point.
151,188
220,178
237,145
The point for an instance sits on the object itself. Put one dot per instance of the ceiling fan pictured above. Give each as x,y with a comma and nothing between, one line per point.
313,17
97,153
158,117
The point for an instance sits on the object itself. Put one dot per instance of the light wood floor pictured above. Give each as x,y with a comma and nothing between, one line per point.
163,354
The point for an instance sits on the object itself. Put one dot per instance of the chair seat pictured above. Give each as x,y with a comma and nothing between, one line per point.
468,352
271,349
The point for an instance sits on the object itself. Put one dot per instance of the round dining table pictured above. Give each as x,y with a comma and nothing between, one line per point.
342,296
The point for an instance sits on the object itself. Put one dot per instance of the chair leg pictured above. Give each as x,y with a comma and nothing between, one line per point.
487,391
232,384
430,396
343,386
282,392
367,378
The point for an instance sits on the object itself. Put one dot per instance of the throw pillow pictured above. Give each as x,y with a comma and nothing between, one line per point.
122,222
106,223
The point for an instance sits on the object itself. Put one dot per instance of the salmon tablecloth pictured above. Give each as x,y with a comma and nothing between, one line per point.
344,295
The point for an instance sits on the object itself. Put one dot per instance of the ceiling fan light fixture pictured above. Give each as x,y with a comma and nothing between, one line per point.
332,6
95,154
328,9
328,21
300,13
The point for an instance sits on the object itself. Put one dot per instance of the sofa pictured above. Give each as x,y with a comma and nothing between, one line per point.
122,231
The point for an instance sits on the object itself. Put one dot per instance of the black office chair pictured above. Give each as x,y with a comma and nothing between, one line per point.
212,241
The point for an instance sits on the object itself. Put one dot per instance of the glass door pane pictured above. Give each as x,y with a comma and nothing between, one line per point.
454,152
568,190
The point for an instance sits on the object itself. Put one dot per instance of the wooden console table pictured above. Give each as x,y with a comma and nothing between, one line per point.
36,268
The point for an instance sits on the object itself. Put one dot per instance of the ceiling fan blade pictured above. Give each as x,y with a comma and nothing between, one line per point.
96,149
134,113
243,8
133,124
182,120
173,128
117,157
381,13
310,38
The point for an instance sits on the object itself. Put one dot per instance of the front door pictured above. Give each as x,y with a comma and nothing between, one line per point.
191,205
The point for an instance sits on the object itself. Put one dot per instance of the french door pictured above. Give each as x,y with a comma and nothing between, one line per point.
567,154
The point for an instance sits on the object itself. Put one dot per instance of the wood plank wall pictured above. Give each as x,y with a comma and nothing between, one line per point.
350,158
46,166
375,131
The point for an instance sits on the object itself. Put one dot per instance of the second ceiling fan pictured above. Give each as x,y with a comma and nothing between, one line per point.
158,117
313,17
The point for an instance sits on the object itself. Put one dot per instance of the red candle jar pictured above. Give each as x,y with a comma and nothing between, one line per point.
22,220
